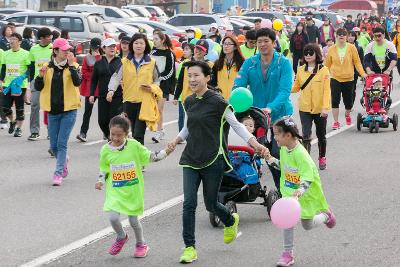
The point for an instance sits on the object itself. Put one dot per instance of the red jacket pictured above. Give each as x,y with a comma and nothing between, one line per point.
86,76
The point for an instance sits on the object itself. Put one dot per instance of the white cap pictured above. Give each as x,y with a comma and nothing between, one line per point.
377,79
229,28
108,42
214,25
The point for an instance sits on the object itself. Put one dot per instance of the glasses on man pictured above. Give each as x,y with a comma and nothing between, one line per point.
379,35
309,52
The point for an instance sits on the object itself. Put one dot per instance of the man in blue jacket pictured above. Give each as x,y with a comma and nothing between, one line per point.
269,76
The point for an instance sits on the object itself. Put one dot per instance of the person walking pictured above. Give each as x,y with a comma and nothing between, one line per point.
59,82
298,40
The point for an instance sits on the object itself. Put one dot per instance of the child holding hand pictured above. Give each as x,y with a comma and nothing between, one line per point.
121,162
300,179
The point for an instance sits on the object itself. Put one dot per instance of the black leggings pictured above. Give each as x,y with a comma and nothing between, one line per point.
108,110
320,126
138,127
344,89
9,100
296,61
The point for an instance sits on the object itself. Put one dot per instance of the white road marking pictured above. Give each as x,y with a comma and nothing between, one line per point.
101,141
81,243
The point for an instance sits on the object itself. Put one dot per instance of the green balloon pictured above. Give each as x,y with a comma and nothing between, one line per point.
194,41
217,48
241,99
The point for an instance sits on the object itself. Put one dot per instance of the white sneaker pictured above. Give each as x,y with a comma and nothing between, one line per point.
3,126
157,137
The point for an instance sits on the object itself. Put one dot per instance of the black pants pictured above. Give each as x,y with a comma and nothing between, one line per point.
274,148
86,115
355,87
10,100
307,120
108,110
296,60
339,89
138,127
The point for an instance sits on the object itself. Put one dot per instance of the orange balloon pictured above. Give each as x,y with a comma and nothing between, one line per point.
178,51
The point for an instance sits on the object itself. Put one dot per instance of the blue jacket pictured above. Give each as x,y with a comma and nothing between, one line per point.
272,93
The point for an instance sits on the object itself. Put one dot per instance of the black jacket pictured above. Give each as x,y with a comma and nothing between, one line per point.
101,75
313,33
57,85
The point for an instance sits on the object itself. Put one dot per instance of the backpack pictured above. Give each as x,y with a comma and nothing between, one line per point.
243,167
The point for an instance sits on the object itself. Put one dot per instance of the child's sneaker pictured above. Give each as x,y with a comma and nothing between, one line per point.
336,125
331,222
141,250
348,119
286,259
189,255
117,246
57,180
322,163
230,232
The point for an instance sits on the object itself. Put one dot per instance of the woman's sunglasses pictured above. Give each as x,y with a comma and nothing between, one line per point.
309,52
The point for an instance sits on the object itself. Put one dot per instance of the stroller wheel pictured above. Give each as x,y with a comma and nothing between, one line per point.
371,127
395,122
214,219
231,206
272,197
376,127
359,121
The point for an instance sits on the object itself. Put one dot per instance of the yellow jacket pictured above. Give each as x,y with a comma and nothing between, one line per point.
149,109
72,98
317,94
344,72
226,80
396,42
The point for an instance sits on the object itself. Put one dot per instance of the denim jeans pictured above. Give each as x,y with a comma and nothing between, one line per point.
211,177
60,127
181,118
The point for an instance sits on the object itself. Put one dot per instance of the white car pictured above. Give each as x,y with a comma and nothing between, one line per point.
201,21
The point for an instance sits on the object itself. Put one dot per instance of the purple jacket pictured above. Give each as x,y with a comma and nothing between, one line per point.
331,33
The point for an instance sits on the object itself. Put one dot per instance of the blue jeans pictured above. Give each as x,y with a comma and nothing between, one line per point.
211,177
60,127
181,118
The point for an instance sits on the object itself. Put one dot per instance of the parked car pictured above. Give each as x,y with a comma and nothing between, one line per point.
201,21
237,26
249,19
140,25
140,11
130,30
271,15
245,22
82,26
9,11
130,13
21,27
164,27
111,30
109,13
336,20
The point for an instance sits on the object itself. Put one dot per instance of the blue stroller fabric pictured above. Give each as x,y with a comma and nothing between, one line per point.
15,86
243,167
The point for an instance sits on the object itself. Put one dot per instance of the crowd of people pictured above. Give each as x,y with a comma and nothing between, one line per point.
132,80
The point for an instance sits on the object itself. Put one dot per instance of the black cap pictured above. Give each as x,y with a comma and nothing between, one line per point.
95,43
44,32
202,44
126,39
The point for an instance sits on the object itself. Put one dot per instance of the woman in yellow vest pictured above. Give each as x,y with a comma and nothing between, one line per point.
140,84
59,82
227,66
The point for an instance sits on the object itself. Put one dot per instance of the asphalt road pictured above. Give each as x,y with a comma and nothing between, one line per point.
361,184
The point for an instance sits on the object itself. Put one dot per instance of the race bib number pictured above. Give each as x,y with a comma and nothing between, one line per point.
12,70
123,174
292,178
40,62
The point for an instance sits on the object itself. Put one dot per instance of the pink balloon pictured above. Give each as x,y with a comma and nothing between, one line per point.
266,23
285,213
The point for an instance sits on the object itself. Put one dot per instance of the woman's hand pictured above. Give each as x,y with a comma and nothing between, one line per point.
70,59
99,185
324,113
297,194
175,102
91,99
43,71
258,148
110,96
146,88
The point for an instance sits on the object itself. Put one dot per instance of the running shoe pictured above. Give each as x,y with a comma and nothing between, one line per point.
160,135
81,137
117,246
189,255
141,250
34,137
322,163
286,259
331,221
18,132
348,119
57,180
230,232
12,127
65,169
336,125
51,152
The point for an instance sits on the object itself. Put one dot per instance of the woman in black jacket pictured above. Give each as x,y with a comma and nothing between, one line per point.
298,41
101,75
165,62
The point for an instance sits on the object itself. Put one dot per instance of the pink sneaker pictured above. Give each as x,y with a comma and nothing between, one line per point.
331,222
141,250
286,259
57,180
322,163
348,119
336,125
117,246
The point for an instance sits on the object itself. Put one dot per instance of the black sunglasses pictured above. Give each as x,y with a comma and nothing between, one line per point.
309,52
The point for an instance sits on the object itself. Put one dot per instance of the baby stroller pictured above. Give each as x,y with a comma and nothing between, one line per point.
375,102
242,185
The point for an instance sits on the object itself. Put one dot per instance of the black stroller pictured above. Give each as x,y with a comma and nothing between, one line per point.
242,185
